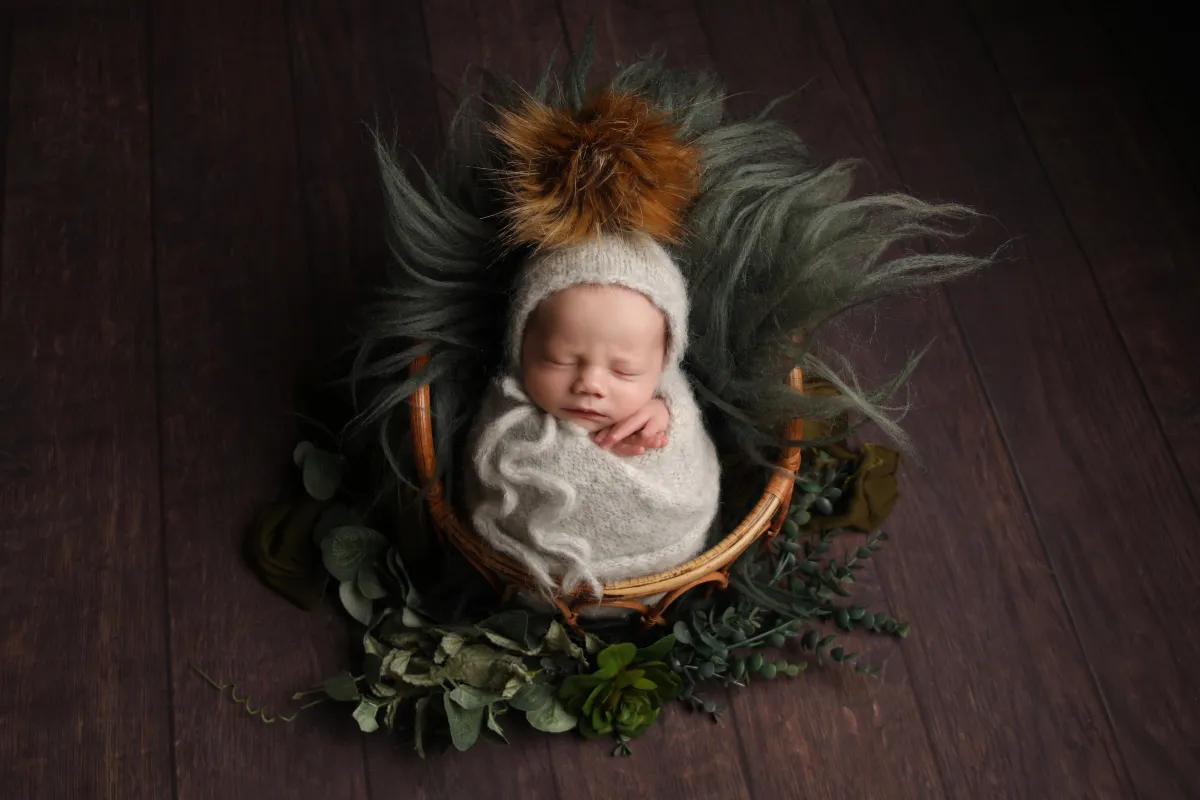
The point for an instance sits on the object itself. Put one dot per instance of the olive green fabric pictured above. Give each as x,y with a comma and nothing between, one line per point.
280,550
873,491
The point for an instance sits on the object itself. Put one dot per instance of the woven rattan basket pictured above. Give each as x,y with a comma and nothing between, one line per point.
651,594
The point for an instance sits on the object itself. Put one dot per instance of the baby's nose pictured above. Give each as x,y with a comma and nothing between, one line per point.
589,382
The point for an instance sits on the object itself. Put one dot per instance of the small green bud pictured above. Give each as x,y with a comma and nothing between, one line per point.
843,619
810,639
868,621
767,670
755,662
823,505
710,707
776,639
792,670
857,612
790,529
837,654
789,546
738,669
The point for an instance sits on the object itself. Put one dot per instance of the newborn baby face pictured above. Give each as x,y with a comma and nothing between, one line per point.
593,354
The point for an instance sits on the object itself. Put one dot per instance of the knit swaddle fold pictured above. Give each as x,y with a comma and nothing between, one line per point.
542,492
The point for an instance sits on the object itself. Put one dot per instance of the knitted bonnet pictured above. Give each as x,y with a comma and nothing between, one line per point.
596,192
634,261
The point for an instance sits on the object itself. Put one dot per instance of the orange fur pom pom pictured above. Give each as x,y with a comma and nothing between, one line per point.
616,166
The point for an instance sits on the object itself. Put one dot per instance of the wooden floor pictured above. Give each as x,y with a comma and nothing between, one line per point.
190,213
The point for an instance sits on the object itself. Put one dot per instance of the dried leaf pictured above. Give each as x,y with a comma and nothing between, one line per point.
493,725
451,643
421,710
471,698
557,640
395,663
366,716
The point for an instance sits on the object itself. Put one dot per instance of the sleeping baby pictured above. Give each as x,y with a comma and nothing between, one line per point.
589,461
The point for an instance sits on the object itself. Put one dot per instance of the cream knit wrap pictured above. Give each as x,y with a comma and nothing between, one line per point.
541,491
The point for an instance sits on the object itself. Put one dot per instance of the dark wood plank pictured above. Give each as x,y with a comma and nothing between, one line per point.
85,710
1138,225
1005,741
237,316
1095,467
517,38
358,64
1157,42
813,715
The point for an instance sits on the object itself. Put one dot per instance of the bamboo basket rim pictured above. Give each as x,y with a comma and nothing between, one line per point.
766,516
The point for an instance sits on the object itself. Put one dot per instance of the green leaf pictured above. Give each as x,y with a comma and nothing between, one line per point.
471,698
322,473
557,640
823,505
843,619
342,687
508,644
615,656
511,625
552,718
592,643
493,725
810,487
366,716
465,723
336,516
345,548
301,452
657,651
368,583
683,634
358,606
532,697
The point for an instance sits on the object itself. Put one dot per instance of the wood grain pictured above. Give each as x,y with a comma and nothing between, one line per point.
85,710
1157,44
1137,222
942,578
1066,396
516,38
237,312
358,64
357,67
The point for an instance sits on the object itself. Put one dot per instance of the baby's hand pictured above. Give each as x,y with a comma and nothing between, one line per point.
645,428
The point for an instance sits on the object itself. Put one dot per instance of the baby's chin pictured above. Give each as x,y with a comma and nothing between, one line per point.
588,424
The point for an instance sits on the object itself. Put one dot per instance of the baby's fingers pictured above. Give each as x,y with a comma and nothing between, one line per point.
621,430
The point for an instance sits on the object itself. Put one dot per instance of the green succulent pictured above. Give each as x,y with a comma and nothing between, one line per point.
625,695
